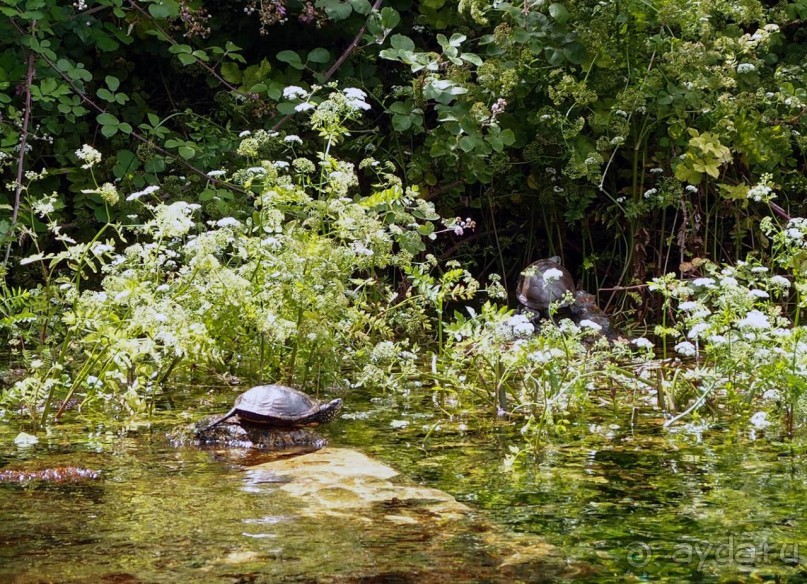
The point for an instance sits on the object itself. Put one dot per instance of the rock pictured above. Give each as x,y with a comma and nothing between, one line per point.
242,435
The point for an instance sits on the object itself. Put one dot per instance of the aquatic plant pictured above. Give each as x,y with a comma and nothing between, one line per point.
296,292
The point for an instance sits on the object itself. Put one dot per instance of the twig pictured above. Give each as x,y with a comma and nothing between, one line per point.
23,143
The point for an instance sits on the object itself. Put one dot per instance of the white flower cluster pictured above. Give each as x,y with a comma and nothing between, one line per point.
356,98
762,192
147,191
89,155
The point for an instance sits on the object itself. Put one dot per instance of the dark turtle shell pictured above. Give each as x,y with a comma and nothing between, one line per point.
280,406
537,288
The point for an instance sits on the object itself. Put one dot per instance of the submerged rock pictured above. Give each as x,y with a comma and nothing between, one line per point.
59,474
368,497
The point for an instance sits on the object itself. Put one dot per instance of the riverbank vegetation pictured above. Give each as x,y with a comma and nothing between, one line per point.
337,195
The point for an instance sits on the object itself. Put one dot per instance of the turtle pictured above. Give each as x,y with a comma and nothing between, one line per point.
280,407
545,282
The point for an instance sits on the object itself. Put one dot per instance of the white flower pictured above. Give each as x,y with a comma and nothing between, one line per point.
779,282
280,164
358,104
354,93
771,395
216,173
794,234
586,323
759,269
256,170
162,288
695,331
89,155
228,222
704,282
244,134
755,320
686,349
758,293
303,107
718,340
521,325
293,138
691,189
728,282
271,243
552,274
361,249
100,248
760,420
688,305
745,68
642,343
649,193
294,92
147,191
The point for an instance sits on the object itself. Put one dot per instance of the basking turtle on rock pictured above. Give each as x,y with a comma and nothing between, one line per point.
544,283
270,416
281,407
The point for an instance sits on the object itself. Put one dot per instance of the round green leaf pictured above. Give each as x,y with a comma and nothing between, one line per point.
291,58
559,12
319,55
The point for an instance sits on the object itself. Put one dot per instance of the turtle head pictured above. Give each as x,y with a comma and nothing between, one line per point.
328,411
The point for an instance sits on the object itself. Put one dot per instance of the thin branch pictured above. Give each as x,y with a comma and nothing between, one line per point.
23,144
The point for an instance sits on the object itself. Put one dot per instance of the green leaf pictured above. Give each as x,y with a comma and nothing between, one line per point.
559,12
319,55
164,9
126,162
109,130
390,18
335,9
178,49
468,143
291,58
106,95
187,152
401,123
186,59
107,119
401,107
155,165
125,128
401,42
361,6
231,72
508,137
472,59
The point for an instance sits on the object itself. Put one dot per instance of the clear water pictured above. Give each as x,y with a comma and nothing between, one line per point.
617,504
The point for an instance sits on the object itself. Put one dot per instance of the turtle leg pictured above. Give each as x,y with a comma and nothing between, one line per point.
226,416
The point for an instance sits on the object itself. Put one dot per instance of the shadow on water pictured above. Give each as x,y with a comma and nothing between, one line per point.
611,504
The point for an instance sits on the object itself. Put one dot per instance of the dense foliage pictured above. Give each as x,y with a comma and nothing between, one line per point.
256,187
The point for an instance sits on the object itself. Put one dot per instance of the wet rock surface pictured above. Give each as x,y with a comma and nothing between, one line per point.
346,487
